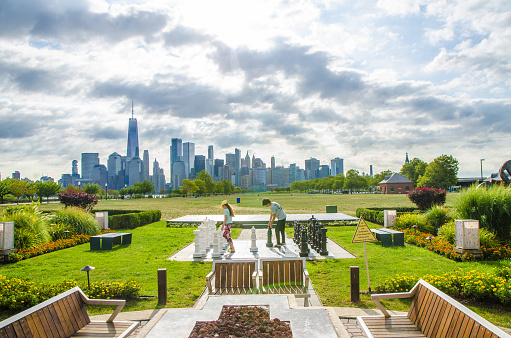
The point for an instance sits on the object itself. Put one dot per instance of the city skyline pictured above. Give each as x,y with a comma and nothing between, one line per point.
367,81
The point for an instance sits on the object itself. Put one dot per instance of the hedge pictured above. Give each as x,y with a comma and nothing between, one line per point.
133,220
113,212
375,215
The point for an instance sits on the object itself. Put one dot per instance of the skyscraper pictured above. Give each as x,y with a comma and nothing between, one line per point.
89,160
145,166
176,154
311,165
188,157
337,166
199,163
132,136
237,153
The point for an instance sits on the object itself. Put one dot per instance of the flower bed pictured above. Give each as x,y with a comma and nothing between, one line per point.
242,321
446,249
50,247
484,287
18,294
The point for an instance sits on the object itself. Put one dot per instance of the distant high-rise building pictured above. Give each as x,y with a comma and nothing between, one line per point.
218,170
134,171
371,170
176,152
89,160
406,159
230,161
16,175
74,169
258,163
99,175
116,172
237,167
132,150
273,162
158,177
145,166
188,156
311,165
337,166
245,162
292,173
178,174
210,152
260,176
199,163
324,171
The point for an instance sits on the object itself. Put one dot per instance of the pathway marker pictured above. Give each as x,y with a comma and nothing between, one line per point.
363,235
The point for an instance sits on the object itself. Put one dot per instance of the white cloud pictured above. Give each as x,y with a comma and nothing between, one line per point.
365,81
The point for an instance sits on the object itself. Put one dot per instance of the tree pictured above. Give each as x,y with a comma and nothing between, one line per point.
18,188
92,188
47,189
208,181
188,186
228,186
413,170
31,190
144,187
377,178
201,186
353,180
441,173
338,182
4,189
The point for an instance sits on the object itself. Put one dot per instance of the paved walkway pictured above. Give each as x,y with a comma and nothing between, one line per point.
243,243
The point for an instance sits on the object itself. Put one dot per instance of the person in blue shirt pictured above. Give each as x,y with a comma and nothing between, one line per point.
227,224
277,213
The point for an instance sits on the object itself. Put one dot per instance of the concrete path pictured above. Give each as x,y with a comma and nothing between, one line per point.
305,322
243,243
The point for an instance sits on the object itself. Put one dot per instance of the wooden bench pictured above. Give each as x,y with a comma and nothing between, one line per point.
285,276
231,277
384,237
432,314
65,316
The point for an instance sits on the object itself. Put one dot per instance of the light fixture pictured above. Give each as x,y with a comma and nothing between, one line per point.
87,268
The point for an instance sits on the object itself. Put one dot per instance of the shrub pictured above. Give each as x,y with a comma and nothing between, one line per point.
78,199
80,221
58,231
407,221
376,215
448,232
425,197
491,206
133,220
17,294
437,216
30,225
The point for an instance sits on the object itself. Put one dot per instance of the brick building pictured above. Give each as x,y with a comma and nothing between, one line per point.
396,184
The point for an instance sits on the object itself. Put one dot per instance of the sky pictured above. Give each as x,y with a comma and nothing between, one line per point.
367,81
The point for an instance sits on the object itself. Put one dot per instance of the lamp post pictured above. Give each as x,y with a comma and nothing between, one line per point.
106,190
482,170
87,268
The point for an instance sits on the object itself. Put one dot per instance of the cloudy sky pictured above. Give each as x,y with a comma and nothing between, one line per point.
365,80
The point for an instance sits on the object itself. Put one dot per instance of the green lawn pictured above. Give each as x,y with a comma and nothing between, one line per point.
154,243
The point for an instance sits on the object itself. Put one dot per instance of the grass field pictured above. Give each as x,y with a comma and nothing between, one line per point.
154,243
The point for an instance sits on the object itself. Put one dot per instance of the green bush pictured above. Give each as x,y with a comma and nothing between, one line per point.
407,221
58,231
30,225
79,221
491,206
133,220
448,232
113,212
487,239
375,215
437,216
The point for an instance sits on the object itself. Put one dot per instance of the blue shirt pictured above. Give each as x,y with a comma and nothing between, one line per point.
228,214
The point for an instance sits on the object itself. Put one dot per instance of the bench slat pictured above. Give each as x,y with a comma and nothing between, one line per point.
36,328
103,329
9,331
25,328
62,315
45,327
439,318
47,321
56,320
71,313
432,315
